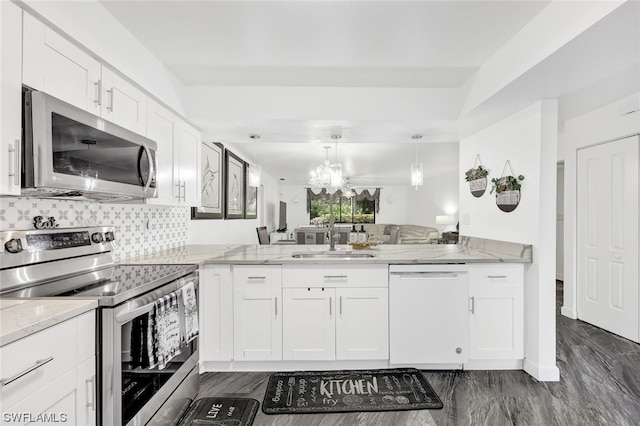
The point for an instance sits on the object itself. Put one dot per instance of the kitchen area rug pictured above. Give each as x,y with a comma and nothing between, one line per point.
221,411
304,392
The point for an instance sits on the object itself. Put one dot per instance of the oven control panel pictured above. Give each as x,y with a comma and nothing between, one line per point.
28,246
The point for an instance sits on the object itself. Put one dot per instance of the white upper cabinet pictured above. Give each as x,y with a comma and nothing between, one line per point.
10,98
161,129
186,165
55,65
122,103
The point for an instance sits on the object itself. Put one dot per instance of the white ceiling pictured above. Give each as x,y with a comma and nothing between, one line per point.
422,45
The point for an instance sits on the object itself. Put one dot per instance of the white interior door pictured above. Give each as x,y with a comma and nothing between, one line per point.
608,236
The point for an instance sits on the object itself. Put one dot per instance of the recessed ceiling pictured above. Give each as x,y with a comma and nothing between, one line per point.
230,51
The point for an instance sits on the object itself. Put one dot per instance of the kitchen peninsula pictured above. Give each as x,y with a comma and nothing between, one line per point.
430,306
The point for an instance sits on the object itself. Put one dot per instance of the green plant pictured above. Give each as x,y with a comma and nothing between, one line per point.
506,183
475,173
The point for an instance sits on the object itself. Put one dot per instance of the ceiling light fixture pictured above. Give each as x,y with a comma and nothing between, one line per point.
416,168
254,177
328,175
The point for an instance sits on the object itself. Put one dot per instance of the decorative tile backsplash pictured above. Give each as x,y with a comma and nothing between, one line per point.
140,229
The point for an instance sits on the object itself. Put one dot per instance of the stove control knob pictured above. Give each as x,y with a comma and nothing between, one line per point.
97,237
13,246
108,236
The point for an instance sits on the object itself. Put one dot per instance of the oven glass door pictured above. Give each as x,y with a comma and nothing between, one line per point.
136,378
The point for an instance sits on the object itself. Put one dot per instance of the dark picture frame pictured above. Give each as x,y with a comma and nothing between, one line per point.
235,186
212,187
251,197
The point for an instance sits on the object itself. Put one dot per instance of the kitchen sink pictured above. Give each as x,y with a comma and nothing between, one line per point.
331,255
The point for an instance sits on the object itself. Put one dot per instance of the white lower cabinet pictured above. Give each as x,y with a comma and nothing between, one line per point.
216,313
497,311
335,323
257,313
49,376
362,323
309,324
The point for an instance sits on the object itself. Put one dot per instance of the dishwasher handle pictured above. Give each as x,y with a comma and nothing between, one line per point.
425,275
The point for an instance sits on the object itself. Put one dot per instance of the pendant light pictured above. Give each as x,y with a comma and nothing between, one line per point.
416,168
254,177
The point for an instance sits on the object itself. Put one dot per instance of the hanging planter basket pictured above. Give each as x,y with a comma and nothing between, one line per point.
477,178
507,190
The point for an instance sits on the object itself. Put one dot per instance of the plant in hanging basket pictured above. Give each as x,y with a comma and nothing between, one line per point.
506,183
475,173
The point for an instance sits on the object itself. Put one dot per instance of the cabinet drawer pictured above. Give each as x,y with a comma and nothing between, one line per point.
497,275
56,343
258,276
370,275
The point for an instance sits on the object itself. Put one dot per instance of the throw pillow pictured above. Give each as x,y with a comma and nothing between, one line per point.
387,229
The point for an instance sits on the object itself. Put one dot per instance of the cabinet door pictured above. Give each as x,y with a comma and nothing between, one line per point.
161,129
54,65
86,393
257,313
186,152
54,402
123,103
309,323
216,313
362,323
10,97
497,312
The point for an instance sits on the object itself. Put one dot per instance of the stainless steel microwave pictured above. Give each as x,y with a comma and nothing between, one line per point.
70,153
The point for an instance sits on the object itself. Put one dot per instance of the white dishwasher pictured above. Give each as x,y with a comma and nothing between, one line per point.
428,315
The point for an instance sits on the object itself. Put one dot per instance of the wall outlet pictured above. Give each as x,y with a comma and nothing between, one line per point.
466,219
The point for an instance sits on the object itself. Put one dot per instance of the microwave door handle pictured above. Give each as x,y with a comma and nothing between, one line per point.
152,169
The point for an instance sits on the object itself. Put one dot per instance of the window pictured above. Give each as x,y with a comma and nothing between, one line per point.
345,210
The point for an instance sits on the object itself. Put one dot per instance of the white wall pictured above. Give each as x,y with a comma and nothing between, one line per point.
239,231
399,204
528,138
600,125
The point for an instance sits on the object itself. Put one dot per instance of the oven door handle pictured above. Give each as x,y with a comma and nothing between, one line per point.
127,316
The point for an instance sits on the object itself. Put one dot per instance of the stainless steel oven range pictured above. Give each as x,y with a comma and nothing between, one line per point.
143,376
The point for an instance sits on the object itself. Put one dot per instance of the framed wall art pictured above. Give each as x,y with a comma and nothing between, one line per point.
234,186
211,182
251,197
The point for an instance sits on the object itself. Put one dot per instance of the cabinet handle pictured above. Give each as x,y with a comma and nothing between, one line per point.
473,304
110,104
179,190
98,93
276,305
39,363
335,277
340,305
14,151
496,276
256,278
330,303
92,404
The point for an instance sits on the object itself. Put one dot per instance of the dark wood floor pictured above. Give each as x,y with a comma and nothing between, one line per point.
599,385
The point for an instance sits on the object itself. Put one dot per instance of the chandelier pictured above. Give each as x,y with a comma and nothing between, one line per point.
416,168
328,175
254,174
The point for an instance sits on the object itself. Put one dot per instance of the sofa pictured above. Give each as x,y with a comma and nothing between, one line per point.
400,234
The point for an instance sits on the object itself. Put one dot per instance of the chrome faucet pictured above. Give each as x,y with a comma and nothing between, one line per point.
332,229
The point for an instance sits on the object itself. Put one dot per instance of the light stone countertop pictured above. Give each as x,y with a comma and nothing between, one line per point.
21,318
470,250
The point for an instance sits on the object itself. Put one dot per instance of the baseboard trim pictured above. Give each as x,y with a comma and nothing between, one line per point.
570,313
493,364
548,374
